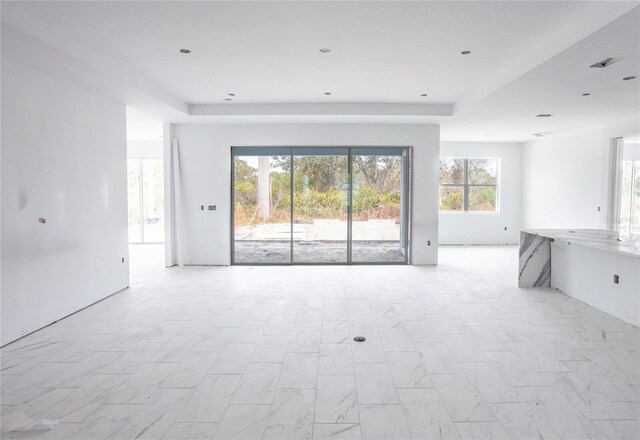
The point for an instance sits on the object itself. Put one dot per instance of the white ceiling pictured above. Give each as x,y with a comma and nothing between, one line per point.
527,58
556,87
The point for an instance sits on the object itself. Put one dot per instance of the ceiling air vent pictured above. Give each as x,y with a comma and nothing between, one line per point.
605,63
543,134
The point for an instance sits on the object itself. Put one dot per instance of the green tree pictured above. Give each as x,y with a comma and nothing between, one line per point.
243,172
245,183
378,172
452,171
451,198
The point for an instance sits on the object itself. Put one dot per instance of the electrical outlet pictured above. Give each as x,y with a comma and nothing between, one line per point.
123,259
212,207
616,279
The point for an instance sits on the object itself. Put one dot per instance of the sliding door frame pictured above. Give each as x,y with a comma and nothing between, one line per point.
406,167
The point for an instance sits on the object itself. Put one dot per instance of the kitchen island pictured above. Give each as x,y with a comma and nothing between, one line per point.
598,267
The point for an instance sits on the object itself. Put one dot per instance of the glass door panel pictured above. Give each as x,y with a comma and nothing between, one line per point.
134,200
378,205
262,205
297,205
153,200
320,205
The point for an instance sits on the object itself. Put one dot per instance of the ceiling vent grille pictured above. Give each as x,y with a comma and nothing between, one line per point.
605,63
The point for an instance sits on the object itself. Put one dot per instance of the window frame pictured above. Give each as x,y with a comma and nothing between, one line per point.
466,185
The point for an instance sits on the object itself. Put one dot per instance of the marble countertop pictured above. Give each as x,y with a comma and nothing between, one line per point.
596,238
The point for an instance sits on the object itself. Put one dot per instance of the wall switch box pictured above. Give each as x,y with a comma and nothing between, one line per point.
212,207
201,207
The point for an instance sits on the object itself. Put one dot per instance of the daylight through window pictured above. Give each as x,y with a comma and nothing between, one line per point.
469,185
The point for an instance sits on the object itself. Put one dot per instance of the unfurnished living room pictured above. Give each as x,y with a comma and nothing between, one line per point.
320,220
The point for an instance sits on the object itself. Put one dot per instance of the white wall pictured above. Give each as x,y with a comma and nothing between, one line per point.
63,159
587,273
205,167
631,150
565,176
487,228
151,149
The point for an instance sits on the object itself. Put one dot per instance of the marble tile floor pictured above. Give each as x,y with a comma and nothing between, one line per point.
456,351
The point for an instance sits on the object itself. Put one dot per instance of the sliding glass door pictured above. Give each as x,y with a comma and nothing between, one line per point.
630,197
262,205
378,205
145,197
320,205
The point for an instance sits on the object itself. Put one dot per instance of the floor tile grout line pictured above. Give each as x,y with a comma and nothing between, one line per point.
315,401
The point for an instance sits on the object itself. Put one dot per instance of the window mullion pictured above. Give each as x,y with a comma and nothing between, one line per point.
466,185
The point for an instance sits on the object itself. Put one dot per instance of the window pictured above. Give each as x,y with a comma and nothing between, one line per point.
630,197
468,185
627,177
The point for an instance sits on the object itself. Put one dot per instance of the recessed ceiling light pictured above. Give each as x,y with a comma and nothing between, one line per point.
586,94
465,52
544,115
627,78
185,51
605,63
232,94
325,50
327,93
423,94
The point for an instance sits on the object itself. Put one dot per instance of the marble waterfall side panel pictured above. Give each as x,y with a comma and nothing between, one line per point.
535,261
